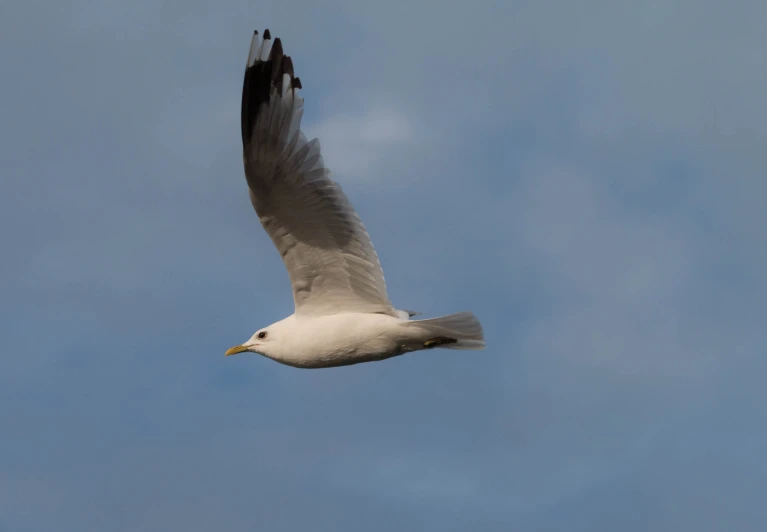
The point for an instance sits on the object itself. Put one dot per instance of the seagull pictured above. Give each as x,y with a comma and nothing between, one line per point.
342,315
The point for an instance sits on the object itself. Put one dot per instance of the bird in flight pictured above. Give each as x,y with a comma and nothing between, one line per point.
342,312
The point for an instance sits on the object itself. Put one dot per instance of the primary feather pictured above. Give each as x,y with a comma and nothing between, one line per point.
331,261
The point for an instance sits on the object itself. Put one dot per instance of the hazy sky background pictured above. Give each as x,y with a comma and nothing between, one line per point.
587,177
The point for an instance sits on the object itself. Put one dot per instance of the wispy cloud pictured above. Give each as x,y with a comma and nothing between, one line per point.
353,144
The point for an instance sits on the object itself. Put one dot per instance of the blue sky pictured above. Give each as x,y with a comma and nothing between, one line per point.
587,178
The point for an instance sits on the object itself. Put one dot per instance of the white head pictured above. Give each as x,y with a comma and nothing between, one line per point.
264,342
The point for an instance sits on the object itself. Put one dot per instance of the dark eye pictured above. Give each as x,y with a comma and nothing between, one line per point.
262,334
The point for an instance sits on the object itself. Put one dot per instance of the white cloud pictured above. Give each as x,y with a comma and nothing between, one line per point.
353,144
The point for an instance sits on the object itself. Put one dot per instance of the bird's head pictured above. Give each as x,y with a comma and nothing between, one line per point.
258,343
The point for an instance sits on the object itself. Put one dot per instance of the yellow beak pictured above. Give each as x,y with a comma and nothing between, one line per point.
236,349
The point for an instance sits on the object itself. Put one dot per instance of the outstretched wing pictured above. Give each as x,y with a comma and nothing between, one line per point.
331,261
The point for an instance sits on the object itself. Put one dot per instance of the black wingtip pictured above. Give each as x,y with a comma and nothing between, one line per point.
287,65
276,51
261,78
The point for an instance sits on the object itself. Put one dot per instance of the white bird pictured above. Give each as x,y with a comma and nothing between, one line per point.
342,312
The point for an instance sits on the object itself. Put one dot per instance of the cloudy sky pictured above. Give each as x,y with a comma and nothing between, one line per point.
587,177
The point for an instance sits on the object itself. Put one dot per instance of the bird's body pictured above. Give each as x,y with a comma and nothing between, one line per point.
338,339
343,314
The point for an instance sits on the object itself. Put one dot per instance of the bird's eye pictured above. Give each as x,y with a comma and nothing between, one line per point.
262,334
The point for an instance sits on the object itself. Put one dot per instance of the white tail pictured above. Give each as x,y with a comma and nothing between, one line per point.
454,331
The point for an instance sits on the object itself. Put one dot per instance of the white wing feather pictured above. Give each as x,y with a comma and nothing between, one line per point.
330,259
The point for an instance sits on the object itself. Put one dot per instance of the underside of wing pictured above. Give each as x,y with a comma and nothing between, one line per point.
331,261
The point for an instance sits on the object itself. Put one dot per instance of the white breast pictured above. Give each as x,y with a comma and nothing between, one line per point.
339,339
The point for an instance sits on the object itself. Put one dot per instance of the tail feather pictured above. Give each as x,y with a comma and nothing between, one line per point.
462,327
